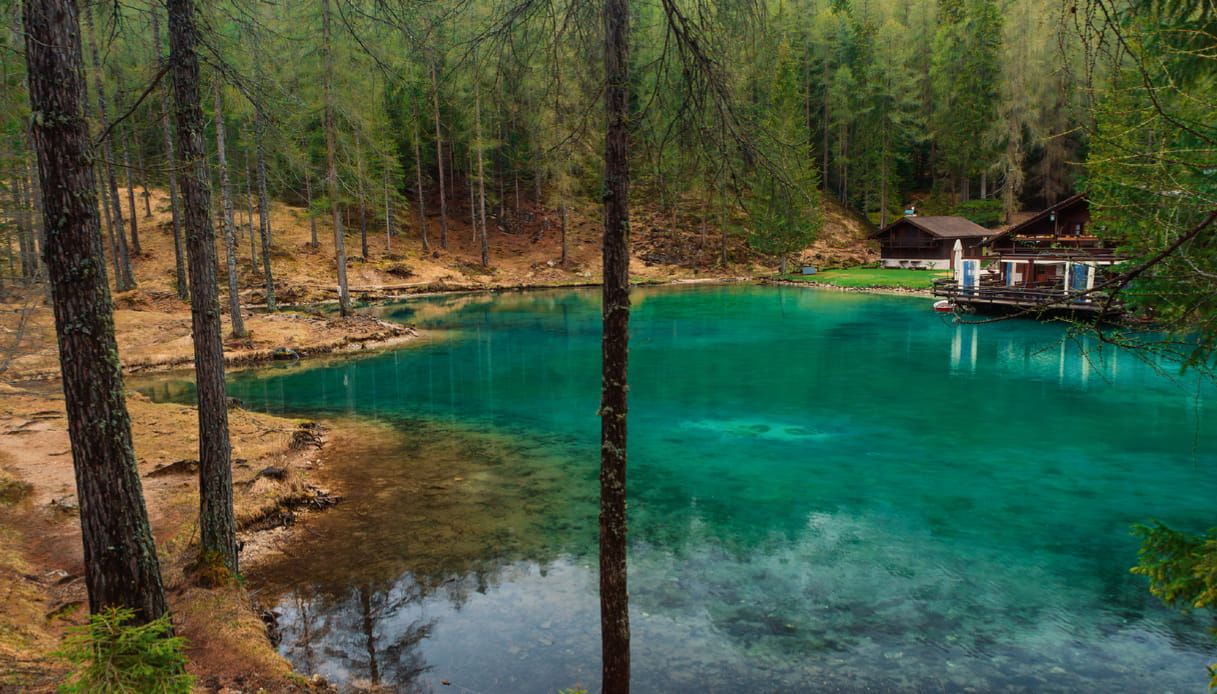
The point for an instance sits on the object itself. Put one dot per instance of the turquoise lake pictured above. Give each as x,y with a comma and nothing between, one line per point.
829,492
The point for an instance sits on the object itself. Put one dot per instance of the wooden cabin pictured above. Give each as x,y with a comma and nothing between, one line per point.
928,242
1063,227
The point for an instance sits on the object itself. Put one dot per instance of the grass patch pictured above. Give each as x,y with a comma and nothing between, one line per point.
873,277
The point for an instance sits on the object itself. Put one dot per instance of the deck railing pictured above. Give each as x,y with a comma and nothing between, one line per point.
1045,295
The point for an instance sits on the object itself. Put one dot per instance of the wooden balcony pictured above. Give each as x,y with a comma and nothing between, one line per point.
992,296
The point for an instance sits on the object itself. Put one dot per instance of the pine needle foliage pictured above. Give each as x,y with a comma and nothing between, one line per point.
112,656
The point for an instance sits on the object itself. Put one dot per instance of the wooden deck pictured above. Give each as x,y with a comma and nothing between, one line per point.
1049,298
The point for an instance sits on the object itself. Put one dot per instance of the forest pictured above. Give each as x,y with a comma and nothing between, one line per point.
972,107
383,118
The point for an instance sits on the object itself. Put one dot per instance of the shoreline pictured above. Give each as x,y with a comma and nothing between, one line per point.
279,473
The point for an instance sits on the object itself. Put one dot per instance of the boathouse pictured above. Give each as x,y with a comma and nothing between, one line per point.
1064,226
928,242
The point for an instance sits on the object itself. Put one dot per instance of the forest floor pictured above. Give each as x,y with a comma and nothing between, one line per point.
42,589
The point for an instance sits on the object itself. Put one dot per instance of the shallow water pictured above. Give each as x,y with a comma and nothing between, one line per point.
829,492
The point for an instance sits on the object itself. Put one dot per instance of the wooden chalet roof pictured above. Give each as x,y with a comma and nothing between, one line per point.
1038,217
942,227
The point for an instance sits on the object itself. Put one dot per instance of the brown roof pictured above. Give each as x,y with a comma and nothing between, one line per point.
942,227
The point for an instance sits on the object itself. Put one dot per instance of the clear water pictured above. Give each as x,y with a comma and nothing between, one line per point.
829,492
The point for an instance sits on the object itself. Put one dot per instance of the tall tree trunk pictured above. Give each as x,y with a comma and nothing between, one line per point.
263,209
418,182
135,247
565,243
123,280
388,208
249,201
36,220
230,234
175,208
473,202
104,195
121,568
312,218
363,203
25,239
331,161
143,182
217,527
614,592
439,156
477,99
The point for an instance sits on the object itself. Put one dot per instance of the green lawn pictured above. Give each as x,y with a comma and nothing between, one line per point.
873,277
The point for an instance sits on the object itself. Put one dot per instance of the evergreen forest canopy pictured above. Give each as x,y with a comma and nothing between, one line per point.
973,107
970,106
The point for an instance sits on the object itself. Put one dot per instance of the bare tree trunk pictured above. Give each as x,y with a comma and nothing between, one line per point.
123,279
217,527
331,162
249,200
179,251
418,181
25,239
230,240
388,208
363,203
565,252
614,592
263,209
439,157
104,195
477,98
135,247
121,568
143,182
472,196
35,219
312,218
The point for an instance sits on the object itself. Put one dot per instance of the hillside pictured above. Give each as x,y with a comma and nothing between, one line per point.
665,247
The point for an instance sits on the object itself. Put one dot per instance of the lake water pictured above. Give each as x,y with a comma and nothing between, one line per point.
828,492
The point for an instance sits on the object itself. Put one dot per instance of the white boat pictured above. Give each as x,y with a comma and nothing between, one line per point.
943,305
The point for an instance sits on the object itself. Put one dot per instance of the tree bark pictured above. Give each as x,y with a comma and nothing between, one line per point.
418,181
439,156
123,280
363,203
217,527
477,98
263,209
175,209
614,591
135,247
249,201
143,182
312,218
331,160
121,567
230,236
388,208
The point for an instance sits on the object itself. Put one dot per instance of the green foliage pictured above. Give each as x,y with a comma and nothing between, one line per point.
1182,569
1152,171
987,213
113,657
